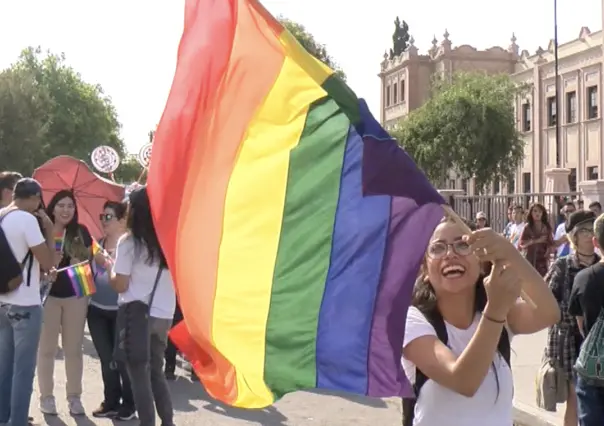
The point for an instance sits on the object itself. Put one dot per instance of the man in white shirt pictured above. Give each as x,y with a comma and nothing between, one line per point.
517,225
563,247
7,184
20,309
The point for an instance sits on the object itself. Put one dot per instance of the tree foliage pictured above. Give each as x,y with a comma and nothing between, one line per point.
307,40
46,109
468,126
400,38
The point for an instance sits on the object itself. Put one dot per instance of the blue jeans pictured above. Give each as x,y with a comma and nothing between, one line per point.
20,328
590,401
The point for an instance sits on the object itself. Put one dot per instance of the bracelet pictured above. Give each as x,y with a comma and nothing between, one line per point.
496,321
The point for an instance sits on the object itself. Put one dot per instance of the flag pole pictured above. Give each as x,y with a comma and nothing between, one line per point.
459,221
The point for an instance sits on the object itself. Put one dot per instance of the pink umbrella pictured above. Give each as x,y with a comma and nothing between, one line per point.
90,190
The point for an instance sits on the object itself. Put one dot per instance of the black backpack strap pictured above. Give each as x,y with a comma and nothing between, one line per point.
436,320
29,256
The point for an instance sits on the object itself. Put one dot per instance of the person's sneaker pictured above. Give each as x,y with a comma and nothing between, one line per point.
105,411
48,405
169,373
125,414
75,406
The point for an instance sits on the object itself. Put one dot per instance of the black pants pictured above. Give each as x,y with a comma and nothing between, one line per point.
101,324
171,350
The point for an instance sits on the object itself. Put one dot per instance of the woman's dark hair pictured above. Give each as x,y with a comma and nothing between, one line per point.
140,224
119,208
544,217
424,299
72,229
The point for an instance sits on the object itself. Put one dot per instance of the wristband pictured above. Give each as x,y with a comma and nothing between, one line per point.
496,321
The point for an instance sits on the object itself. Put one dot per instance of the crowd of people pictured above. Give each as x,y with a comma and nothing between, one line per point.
133,308
474,293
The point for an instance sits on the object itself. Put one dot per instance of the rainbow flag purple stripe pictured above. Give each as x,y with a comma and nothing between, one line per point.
81,279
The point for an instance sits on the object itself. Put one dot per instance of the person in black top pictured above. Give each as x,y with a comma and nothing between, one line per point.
64,312
586,302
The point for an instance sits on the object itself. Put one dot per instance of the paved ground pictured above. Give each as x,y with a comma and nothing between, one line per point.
193,407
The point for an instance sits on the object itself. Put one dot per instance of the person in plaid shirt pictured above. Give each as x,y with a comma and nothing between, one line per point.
564,339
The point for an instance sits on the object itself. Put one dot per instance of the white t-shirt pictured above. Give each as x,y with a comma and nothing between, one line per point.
560,232
438,405
23,232
516,232
142,278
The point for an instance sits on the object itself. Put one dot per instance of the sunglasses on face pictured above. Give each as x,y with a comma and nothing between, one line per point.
585,232
439,249
106,217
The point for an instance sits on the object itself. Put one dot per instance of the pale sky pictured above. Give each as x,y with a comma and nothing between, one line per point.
129,46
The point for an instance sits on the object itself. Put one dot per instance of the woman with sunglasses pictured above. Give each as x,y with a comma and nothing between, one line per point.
456,346
118,401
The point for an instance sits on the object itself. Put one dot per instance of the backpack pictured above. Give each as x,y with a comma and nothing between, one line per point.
436,320
11,271
590,362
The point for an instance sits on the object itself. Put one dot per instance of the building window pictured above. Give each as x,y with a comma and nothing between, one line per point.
395,93
451,183
526,182
592,173
402,90
526,117
572,180
592,102
464,185
552,113
571,107
388,95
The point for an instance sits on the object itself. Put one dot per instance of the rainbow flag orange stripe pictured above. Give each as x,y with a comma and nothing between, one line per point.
81,279
96,247
292,223
59,240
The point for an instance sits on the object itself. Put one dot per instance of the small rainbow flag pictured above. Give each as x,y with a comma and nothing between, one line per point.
96,247
81,279
293,225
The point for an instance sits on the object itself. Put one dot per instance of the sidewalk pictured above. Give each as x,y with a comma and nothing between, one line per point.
526,360
194,408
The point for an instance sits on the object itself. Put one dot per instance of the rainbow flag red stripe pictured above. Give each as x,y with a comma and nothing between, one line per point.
81,280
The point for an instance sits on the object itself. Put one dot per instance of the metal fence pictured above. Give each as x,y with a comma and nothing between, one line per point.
496,206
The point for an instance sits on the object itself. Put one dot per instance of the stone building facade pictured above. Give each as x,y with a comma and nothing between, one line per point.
406,80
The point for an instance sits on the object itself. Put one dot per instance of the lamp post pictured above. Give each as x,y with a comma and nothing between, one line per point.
558,109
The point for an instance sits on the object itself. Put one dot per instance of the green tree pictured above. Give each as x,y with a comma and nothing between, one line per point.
54,112
315,48
400,38
468,126
130,171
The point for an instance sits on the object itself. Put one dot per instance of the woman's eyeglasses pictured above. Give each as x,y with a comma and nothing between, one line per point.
106,217
585,232
439,249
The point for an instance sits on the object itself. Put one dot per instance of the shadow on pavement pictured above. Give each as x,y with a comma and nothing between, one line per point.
184,391
79,420
269,416
89,348
357,399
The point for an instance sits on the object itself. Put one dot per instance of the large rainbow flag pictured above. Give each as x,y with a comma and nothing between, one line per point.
293,225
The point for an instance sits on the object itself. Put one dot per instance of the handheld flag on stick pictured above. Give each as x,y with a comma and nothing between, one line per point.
293,224
81,279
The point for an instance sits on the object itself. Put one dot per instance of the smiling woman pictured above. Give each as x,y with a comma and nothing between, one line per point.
64,312
456,349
